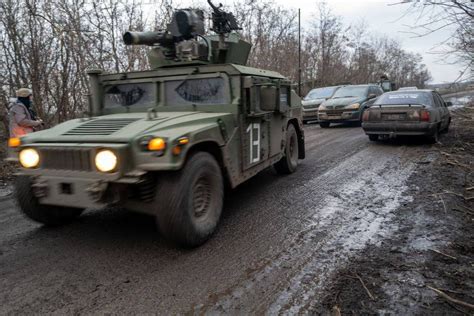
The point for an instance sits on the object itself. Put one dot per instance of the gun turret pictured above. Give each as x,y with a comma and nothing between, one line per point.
184,42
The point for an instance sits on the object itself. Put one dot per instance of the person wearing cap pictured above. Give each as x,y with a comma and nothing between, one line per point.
23,119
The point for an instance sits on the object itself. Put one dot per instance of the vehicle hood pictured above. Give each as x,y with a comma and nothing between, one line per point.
314,103
341,102
123,128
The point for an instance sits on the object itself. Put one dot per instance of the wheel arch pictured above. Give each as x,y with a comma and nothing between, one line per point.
212,148
300,132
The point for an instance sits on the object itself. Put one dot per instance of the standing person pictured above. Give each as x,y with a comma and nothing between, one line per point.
23,119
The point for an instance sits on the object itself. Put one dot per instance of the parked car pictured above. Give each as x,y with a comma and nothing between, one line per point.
347,104
407,88
414,112
313,99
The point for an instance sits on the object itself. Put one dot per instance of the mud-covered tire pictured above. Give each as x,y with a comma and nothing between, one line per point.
446,130
44,214
433,138
324,124
189,202
373,137
289,162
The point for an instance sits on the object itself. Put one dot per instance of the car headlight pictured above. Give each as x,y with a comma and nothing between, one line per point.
29,158
353,106
322,107
106,160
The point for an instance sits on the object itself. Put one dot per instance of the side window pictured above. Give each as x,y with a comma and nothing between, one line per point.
441,100
437,103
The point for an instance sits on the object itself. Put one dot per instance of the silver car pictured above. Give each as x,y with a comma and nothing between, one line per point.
409,112
313,100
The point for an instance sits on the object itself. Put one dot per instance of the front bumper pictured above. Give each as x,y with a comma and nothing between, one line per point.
310,114
339,116
399,128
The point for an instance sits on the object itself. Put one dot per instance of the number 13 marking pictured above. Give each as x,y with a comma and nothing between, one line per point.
254,154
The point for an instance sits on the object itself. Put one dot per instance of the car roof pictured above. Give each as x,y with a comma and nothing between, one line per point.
412,90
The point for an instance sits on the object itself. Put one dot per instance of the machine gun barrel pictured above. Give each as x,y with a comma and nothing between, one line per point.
146,38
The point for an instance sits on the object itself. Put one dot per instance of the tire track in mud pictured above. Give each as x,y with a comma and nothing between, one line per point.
344,209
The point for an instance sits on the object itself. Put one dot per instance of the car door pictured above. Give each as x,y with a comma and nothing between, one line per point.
254,124
442,110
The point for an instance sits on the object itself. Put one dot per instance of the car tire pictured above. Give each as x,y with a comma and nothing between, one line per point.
289,162
373,137
189,202
45,214
324,124
433,138
446,130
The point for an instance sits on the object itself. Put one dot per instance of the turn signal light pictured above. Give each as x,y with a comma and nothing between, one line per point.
424,116
156,144
14,142
365,116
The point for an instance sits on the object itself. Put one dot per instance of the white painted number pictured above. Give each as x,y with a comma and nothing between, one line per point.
254,143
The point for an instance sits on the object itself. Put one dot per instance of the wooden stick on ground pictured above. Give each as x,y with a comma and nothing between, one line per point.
365,287
443,254
450,299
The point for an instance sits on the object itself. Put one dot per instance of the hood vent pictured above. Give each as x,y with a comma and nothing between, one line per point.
100,127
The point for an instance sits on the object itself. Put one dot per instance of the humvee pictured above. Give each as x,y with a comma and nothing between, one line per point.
166,141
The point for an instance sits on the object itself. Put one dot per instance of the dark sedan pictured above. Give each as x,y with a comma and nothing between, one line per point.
415,112
348,104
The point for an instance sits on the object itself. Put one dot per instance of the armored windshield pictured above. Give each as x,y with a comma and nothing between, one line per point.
405,97
196,91
351,91
320,93
129,95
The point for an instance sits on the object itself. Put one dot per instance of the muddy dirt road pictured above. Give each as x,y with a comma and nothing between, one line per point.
285,244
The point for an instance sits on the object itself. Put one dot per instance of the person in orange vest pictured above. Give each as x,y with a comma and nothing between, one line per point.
23,118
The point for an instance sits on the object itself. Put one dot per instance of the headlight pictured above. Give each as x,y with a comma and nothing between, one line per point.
353,106
106,160
29,158
322,107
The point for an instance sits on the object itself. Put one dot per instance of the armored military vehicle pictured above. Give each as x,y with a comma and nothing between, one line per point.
166,141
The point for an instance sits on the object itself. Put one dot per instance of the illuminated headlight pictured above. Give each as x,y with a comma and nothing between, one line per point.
29,158
353,106
106,160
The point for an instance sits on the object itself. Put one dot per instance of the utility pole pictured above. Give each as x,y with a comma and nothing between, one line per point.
299,52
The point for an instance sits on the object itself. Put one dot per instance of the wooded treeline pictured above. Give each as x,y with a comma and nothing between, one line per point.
47,45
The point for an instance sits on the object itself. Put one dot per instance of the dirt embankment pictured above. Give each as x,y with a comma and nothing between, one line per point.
426,267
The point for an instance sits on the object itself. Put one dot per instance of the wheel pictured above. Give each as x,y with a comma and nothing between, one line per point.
373,137
45,214
324,124
288,163
446,130
189,202
433,139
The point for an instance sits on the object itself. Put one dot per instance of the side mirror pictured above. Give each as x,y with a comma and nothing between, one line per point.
268,98
372,96
449,103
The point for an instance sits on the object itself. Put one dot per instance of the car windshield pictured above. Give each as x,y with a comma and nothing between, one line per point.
354,91
196,91
320,93
133,95
411,97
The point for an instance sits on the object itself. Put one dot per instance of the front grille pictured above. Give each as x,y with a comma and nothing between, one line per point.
100,127
334,112
77,159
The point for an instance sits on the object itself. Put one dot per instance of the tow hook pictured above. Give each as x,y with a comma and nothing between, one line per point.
39,188
96,190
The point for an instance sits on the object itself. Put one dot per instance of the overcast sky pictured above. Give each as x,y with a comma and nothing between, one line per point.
382,19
